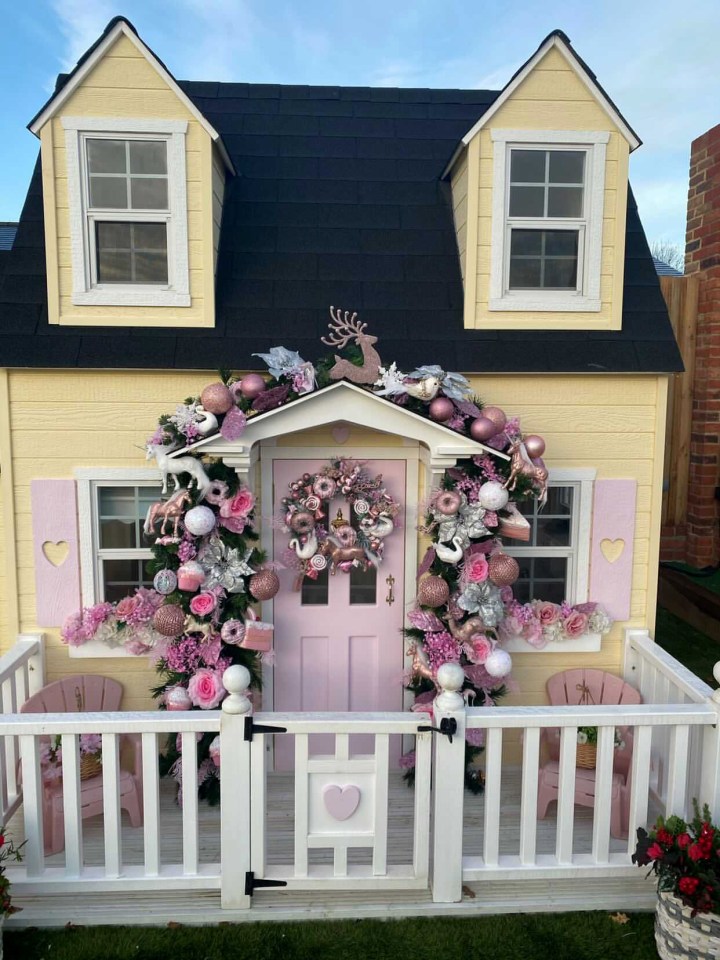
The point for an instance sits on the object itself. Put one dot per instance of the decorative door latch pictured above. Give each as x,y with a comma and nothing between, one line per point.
448,728
390,598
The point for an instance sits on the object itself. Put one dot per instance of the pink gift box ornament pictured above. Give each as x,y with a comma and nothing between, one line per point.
190,576
258,634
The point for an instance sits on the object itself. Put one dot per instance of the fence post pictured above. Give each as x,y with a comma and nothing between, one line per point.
710,768
448,787
234,790
631,659
36,663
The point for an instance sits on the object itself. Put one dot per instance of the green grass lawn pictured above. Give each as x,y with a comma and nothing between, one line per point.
693,649
569,936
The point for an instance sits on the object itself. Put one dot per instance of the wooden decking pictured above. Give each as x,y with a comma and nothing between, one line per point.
204,906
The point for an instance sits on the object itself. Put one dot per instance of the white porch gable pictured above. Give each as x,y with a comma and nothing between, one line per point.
347,403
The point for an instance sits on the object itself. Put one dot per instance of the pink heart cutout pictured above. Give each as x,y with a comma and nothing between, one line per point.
341,802
341,433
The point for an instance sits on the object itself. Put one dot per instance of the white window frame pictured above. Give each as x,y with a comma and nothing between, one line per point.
85,291
89,480
586,298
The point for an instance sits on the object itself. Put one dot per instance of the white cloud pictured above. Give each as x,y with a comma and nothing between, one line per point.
80,23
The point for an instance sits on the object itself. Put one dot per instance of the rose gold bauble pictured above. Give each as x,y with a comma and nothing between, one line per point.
169,620
216,398
534,445
503,570
441,409
252,385
496,415
433,592
264,584
483,429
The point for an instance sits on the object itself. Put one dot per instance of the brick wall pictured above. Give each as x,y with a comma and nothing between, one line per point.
702,258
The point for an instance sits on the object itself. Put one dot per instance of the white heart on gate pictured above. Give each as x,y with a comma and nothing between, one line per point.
341,802
341,433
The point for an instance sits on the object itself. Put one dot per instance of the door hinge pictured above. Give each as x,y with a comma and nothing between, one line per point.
448,728
252,883
251,728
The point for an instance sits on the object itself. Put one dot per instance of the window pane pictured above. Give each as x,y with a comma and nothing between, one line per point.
549,568
121,577
118,535
148,156
567,166
561,243
106,156
150,268
559,501
114,266
553,591
560,274
150,236
526,243
527,166
565,201
314,593
108,193
527,201
117,502
552,531
524,273
149,193
363,586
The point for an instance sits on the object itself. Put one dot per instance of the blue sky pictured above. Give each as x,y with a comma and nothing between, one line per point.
658,61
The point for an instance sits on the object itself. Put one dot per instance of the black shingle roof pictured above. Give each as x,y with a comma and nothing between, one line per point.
338,201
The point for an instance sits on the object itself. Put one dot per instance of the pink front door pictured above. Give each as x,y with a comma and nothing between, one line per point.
338,640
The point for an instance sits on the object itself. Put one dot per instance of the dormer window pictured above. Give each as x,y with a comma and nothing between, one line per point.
128,212
547,220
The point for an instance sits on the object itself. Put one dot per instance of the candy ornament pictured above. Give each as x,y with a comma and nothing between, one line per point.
190,576
177,698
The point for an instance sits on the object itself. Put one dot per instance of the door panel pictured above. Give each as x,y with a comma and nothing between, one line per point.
338,642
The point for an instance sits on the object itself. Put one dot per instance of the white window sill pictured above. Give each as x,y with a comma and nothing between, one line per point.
587,643
99,650
550,304
131,297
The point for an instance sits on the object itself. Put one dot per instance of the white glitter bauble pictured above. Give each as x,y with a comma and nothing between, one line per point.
199,521
499,663
493,496
165,581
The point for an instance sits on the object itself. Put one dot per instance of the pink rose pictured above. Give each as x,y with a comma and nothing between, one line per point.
203,604
476,568
482,647
575,625
126,607
547,613
234,512
206,689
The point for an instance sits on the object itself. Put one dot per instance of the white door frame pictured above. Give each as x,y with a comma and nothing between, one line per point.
406,450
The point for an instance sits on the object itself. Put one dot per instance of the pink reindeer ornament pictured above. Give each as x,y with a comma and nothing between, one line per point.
343,329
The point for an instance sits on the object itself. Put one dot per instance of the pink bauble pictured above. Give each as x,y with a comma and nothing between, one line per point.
169,620
499,663
534,445
503,570
441,409
483,429
177,698
252,385
264,584
216,398
497,416
433,592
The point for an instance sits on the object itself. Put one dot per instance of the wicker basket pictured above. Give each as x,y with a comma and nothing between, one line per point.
679,936
90,765
586,755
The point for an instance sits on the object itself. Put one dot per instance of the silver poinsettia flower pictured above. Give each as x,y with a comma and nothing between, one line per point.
484,600
224,566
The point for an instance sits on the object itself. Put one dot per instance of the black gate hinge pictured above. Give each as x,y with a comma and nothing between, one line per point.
252,884
448,728
251,728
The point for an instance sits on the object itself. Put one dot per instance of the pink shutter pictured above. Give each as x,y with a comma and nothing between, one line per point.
611,552
55,547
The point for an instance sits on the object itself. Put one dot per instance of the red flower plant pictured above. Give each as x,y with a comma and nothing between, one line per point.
685,858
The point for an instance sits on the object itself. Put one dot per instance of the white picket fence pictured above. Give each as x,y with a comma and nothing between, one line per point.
22,673
339,802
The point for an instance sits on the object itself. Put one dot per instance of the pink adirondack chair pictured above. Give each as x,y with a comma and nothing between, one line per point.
77,695
588,687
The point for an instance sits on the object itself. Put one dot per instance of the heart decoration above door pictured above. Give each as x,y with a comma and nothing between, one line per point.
341,802
56,553
612,549
341,433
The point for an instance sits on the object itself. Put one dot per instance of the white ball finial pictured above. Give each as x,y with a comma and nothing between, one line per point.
236,681
450,678
716,674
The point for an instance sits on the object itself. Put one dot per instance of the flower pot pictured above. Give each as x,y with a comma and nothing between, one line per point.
586,755
680,936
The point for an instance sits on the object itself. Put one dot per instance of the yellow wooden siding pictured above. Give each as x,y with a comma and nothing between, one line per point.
552,97
460,209
62,420
124,85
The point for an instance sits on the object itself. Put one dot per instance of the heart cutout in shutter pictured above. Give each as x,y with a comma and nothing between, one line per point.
340,433
341,802
56,553
612,549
